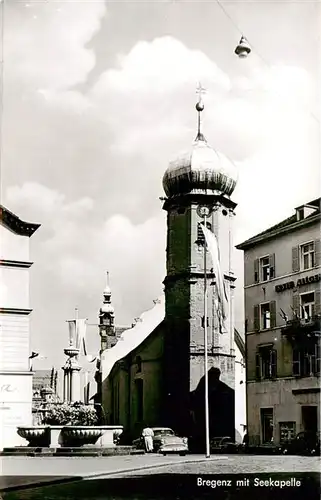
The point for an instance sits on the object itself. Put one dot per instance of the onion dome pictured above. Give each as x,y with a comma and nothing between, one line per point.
201,170
107,308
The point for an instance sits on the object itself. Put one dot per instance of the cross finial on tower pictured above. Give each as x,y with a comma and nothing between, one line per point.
199,108
200,90
107,278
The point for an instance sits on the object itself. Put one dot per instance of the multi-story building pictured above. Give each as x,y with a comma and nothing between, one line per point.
282,323
15,374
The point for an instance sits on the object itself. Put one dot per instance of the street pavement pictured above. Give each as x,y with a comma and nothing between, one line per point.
237,464
89,467
120,477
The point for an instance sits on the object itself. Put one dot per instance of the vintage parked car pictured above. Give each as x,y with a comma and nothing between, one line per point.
304,443
165,441
224,444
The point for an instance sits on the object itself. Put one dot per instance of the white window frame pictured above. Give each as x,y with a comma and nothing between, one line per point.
309,253
261,267
311,306
262,327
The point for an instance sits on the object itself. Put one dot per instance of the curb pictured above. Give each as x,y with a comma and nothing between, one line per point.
95,475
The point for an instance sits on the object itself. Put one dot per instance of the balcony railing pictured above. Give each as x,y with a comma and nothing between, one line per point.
302,328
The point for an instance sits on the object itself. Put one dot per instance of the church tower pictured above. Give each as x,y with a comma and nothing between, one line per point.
107,329
199,180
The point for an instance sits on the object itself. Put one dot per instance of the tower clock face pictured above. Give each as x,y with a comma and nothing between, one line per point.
203,211
207,210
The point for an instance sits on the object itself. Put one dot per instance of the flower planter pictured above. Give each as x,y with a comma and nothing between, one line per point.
37,435
81,435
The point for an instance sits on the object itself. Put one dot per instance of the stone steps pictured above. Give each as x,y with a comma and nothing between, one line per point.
84,451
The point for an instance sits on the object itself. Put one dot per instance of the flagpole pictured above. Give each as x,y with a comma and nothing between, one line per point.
207,433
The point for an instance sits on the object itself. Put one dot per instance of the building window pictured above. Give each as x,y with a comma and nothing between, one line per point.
307,303
267,425
264,268
287,431
306,361
200,235
266,359
307,256
265,316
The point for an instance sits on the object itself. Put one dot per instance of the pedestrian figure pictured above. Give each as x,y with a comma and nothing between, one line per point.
246,439
148,435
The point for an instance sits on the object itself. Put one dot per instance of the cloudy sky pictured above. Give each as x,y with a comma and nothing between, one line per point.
99,96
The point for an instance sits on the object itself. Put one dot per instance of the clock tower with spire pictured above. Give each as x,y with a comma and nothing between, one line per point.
201,178
107,328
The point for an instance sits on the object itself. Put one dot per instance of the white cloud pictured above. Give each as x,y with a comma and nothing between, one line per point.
46,47
37,198
161,66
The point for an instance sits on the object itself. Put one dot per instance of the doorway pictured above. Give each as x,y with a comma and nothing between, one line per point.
267,425
310,418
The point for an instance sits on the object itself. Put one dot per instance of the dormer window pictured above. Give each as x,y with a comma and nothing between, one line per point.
300,214
305,211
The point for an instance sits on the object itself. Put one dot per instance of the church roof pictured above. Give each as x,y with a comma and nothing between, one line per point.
16,225
133,337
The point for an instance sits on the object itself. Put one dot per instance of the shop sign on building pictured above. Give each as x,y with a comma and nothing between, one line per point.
301,281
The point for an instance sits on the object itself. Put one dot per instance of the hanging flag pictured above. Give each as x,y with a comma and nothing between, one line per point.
33,355
72,332
90,358
212,246
81,335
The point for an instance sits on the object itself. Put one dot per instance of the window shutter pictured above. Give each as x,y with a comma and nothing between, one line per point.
258,366
317,301
295,259
273,359
296,303
296,365
256,270
317,250
272,265
273,313
257,317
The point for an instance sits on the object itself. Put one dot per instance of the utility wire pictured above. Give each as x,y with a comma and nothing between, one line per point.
258,53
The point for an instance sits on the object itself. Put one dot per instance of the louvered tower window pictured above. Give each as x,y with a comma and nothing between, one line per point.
200,235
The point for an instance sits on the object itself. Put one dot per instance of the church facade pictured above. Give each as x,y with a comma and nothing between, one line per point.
154,375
